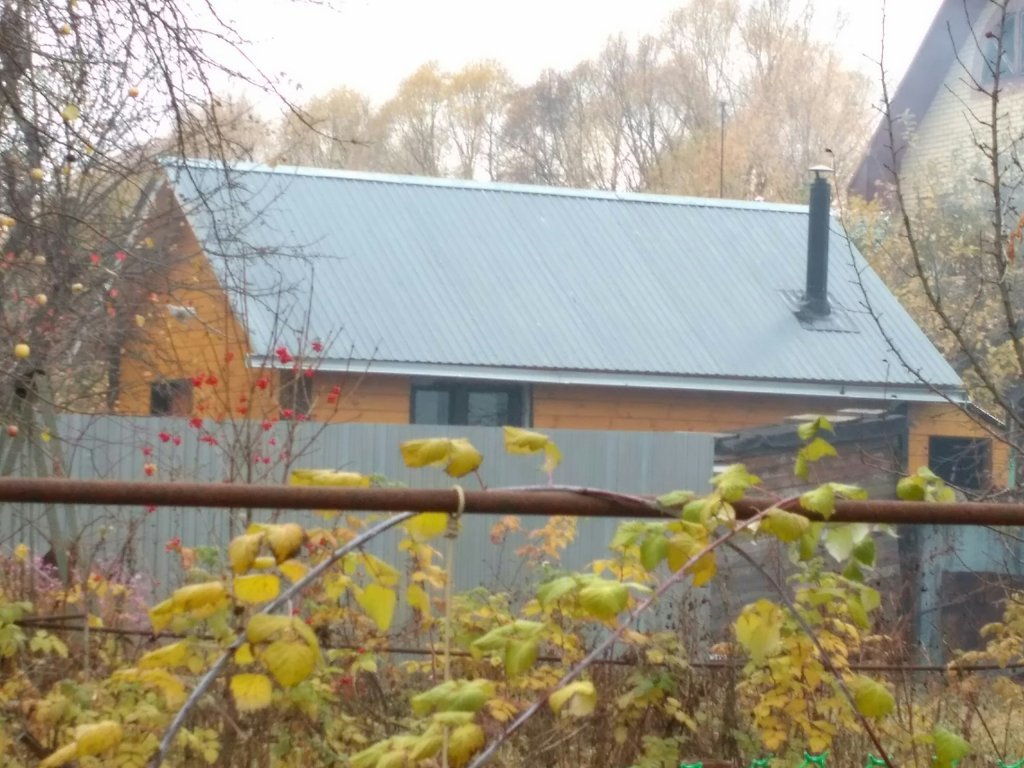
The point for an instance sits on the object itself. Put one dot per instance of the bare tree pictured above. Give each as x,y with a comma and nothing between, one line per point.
336,130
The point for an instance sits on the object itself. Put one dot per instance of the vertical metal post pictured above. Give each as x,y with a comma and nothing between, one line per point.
721,153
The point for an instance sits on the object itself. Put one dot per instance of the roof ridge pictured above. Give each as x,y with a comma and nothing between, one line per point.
491,186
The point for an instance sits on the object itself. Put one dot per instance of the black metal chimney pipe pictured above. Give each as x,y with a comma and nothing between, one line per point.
815,301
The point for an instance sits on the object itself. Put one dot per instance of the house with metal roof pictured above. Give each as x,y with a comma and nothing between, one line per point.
335,295
937,109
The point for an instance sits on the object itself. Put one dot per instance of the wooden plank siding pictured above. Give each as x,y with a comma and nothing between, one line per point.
945,420
571,407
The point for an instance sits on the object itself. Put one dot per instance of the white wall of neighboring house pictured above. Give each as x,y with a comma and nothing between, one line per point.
942,152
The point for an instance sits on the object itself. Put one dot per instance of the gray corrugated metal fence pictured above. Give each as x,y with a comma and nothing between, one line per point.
120,448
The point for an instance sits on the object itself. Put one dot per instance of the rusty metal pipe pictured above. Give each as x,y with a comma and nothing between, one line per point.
530,502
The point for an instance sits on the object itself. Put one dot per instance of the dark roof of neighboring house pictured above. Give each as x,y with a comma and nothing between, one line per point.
440,277
924,77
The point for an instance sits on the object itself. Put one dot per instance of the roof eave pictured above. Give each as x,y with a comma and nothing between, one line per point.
638,380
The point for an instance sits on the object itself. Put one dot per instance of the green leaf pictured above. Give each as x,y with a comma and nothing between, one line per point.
949,748
870,598
872,698
759,630
732,483
801,467
864,552
552,591
857,612
495,640
852,572
849,491
453,696
910,489
809,541
841,540
520,656
675,499
818,449
604,599
653,550
627,534
697,511
785,526
578,699
821,500
809,429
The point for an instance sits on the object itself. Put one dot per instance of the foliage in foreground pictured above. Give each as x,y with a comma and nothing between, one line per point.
354,670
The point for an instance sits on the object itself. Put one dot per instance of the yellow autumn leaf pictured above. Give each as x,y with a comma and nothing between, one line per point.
99,737
464,742
70,112
251,692
195,596
578,699
430,452
417,597
293,570
427,526
456,456
263,627
328,477
285,540
463,459
381,572
257,587
160,615
303,630
263,562
242,551
379,604
335,585
62,756
172,655
243,656
519,440
289,661
21,552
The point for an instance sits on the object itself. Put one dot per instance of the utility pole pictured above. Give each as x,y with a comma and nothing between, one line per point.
721,154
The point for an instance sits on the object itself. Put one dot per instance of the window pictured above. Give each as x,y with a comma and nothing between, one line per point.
469,403
296,392
1011,64
170,398
961,461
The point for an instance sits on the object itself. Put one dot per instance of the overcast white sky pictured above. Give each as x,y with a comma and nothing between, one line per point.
371,45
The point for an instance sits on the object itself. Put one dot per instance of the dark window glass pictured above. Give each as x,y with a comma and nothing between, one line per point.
430,406
468,403
489,408
296,392
171,398
961,461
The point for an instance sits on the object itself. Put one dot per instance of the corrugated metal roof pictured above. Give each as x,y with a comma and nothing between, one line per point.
407,270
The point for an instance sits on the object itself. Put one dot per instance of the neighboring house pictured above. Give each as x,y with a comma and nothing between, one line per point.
938,116
455,302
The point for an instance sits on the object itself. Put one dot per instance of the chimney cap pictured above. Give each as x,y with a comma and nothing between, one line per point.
817,170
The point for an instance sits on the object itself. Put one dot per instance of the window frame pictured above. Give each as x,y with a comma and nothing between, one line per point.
296,392
1013,66
459,390
983,464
